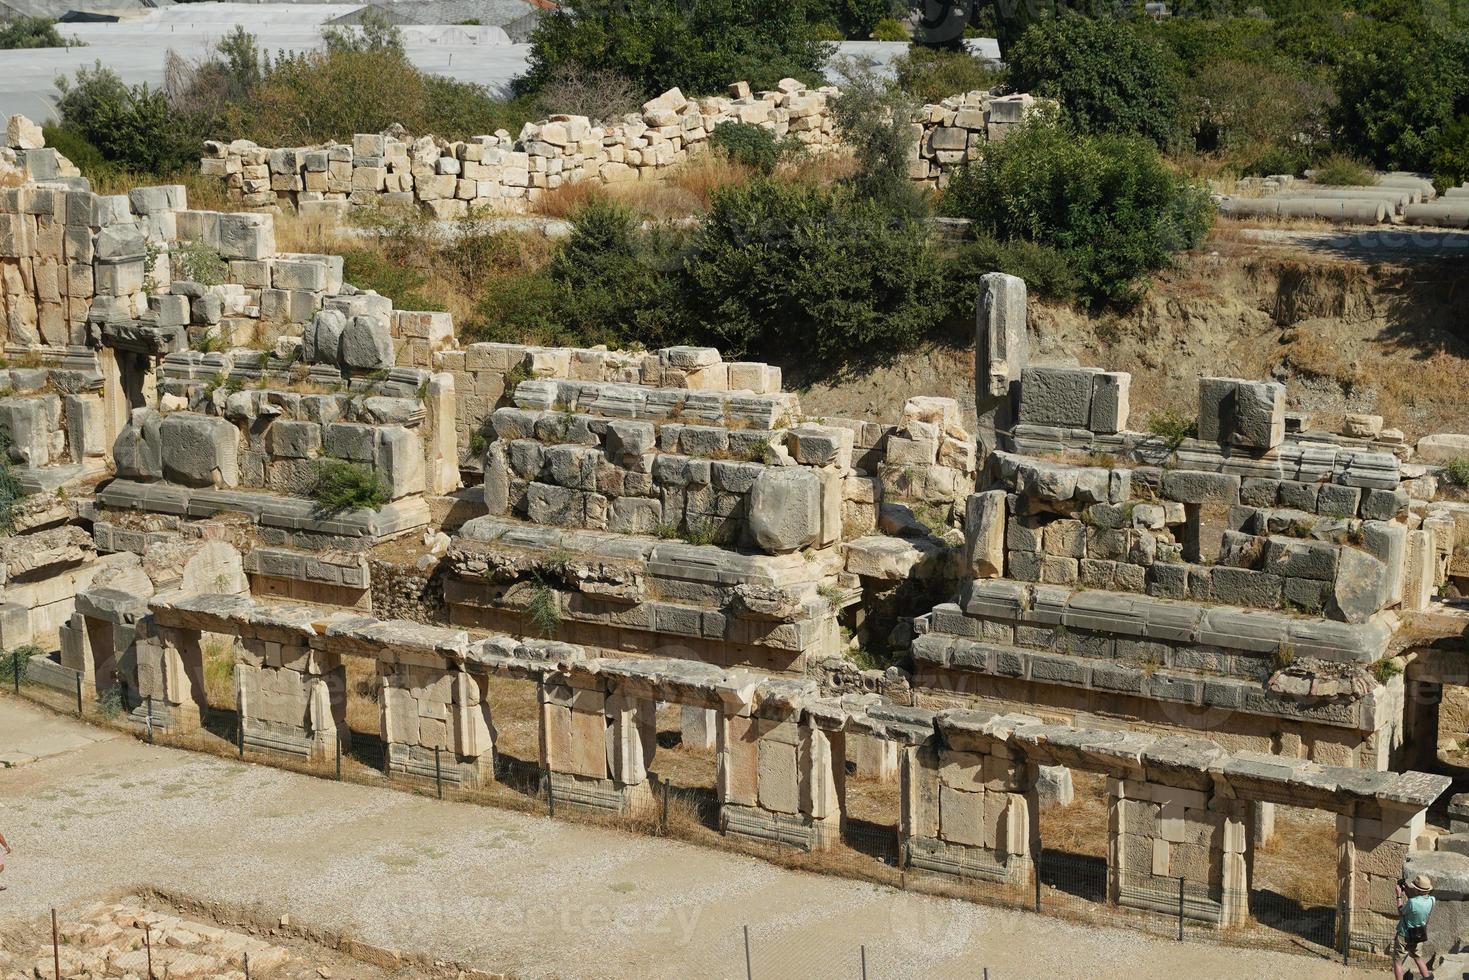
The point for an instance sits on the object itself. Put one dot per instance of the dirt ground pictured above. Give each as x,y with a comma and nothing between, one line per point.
506,891
1345,334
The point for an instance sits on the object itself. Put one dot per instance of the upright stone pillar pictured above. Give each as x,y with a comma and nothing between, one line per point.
968,802
169,672
595,743
1001,352
1373,841
699,728
1160,835
291,698
99,634
874,757
781,769
436,724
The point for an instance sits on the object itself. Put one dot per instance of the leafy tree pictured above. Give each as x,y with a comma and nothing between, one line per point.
1108,76
1398,92
700,46
820,273
1451,156
873,118
746,143
1107,202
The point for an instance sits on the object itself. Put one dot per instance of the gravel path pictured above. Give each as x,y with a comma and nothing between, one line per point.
511,892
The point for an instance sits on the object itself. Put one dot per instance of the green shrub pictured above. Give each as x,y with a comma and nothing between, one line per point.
1109,76
888,29
198,262
132,126
1108,203
1173,427
15,663
1264,119
33,32
1341,169
1397,93
746,143
821,274
1450,164
519,308
1047,272
342,486
701,46
367,269
873,117
1456,471
933,74
615,282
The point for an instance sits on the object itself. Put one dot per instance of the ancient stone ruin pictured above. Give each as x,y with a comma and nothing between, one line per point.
1214,622
505,172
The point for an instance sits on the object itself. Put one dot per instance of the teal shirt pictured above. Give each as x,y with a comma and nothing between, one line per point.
1415,912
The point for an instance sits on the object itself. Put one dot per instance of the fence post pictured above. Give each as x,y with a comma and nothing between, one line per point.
550,795
148,718
15,669
339,755
148,945
1037,872
438,775
1344,923
1180,910
240,732
749,969
55,945
79,694
864,961
663,820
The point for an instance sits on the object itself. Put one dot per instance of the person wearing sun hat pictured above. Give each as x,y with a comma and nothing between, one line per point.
1415,904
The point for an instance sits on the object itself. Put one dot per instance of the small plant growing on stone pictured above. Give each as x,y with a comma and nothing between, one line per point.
702,532
544,609
1284,656
197,262
208,343
342,486
1456,471
515,376
668,532
1386,669
1172,427
832,594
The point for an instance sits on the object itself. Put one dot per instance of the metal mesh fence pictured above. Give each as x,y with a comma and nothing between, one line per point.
1071,886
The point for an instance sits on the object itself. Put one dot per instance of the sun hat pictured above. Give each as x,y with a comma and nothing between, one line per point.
1422,883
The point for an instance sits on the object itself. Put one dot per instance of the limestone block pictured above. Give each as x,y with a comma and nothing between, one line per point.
322,337
1110,402
367,344
246,235
1054,786
137,451
22,134
1057,396
780,785
398,457
1360,587
961,816
785,509
30,423
199,450
984,534
295,440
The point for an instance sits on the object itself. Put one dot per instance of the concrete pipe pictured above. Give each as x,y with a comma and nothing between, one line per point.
1395,198
1450,212
1424,185
1336,209
1332,209
1250,207
1457,193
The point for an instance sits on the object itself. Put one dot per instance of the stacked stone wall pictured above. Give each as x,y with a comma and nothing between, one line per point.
506,172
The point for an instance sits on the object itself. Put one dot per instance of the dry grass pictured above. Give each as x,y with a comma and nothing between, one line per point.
1405,382
219,671
566,200
1300,860
202,193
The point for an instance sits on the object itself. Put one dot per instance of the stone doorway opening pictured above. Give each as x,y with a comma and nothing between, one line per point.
685,764
1075,824
1293,878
